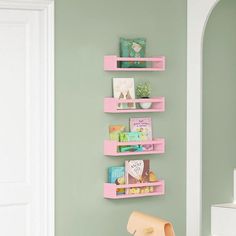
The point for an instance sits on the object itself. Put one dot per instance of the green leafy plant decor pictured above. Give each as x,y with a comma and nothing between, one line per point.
143,90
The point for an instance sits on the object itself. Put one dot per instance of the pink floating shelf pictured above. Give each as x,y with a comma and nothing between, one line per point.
110,190
111,105
111,63
111,147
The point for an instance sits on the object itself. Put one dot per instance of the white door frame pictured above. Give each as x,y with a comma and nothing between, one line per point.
47,39
198,13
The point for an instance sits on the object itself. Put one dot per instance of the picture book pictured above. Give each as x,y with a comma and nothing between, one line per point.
123,88
116,175
143,125
136,171
114,132
129,137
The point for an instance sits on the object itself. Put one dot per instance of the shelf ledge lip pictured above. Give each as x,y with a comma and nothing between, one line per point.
154,141
110,190
111,63
122,196
149,184
111,147
110,105
136,100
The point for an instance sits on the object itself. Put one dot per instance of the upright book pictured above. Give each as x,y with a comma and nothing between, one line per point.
123,88
116,175
136,171
143,125
114,132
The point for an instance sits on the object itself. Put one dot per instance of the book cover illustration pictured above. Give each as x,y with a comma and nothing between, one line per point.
132,48
143,125
123,88
137,171
116,175
114,132
129,137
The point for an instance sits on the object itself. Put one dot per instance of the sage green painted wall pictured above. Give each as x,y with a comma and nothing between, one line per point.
219,109
86,31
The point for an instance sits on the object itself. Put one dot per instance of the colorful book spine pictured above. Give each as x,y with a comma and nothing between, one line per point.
116,175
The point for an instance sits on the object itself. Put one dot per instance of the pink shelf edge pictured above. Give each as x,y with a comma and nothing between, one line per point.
110,105
111,63
110,147
110,190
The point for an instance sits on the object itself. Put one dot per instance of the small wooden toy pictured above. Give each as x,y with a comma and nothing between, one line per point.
140,224
152,177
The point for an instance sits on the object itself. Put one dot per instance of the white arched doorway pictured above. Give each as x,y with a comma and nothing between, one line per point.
198,15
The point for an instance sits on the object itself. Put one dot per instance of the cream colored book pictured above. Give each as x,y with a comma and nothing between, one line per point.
123,88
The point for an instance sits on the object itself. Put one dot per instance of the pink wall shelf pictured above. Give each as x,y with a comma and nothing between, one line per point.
111,147
111,63
111,104
111,193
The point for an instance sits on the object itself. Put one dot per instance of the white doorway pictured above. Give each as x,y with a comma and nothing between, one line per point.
26,119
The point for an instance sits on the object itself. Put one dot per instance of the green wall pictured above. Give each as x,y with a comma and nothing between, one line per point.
219,109
85,32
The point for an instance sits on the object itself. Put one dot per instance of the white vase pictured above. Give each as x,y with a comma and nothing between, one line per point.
145,105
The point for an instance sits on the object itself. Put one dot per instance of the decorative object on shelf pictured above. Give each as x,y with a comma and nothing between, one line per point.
111,63
143,90
152,177
143,125
114,131
111,104
116,175
140,224
133,179
138,139
132,48
129,137
137,171
133,148
110,190
123,88
111,148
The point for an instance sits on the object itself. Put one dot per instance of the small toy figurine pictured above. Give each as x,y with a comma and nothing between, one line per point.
120,181
152,177
146,190
151,189
134,191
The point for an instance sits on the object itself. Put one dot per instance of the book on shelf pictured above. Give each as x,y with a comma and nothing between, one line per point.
123,88
144,126
116,175
137,171
129,137
114,132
